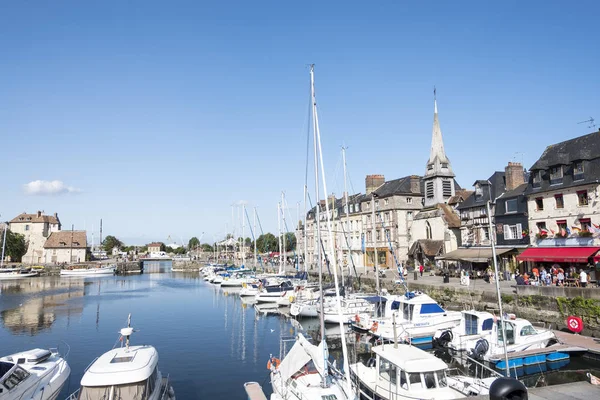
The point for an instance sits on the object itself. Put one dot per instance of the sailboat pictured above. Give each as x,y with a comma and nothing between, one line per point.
305,371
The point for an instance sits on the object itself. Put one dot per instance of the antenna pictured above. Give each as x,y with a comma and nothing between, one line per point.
590,122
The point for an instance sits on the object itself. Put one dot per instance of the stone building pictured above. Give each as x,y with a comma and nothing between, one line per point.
36,228
563,204
436,228
65,247
154,247
510,215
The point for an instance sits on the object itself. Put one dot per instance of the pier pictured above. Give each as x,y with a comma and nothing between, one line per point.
567,391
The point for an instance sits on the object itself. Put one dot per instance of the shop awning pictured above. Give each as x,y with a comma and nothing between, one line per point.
558,254
472,254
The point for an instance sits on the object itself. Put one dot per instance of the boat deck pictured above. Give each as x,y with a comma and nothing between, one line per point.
567,391
254,391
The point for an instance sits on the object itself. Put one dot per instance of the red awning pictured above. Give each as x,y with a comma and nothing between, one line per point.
558,254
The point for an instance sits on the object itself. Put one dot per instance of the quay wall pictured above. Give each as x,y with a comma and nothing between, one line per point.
549,306
122,268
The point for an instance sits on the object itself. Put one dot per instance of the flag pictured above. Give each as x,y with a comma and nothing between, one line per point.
563,232
596,226
568,231
576,229
544,232
552,230
592,229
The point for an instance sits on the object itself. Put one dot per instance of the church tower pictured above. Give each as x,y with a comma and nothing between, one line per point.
438,178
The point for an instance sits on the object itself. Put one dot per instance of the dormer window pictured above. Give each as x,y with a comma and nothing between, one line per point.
556,175
578,171
430,167
537,179
478,193
445,165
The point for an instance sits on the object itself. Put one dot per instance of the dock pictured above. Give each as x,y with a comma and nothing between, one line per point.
592,345
254,391
567,391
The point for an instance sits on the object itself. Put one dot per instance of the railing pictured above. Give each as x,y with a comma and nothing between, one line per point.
74,395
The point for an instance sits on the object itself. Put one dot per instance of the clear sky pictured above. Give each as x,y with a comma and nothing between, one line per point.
157,116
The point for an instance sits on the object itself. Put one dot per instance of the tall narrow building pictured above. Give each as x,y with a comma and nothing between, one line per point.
439,178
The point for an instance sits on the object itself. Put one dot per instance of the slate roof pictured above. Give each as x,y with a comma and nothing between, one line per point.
398,186
459,197
452,219
519,190
585,147
62,239
496,184
33,218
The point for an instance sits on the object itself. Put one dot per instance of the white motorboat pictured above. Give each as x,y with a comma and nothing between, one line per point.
125,373
89,271
350,308
250,290
417,318
300,374
16,273
275,293
478,333
33,375
406,372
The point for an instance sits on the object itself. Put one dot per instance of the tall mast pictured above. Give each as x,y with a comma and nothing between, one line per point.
3,245
373,236
324,380
297,241
243,233
304,241
254,230
347,214
100,232
333,259
279,233
283,225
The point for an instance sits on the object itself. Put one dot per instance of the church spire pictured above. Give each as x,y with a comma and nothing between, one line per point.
437,143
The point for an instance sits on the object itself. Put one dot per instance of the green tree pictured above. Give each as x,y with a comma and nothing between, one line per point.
206,247
229,236
290,241
110,242
163,247
16,246
248,242
266,243
193,243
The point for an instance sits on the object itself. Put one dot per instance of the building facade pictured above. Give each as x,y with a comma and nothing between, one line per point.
36,228
65,247
154,247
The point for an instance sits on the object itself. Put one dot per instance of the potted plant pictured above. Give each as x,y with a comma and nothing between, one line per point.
540,236
584,233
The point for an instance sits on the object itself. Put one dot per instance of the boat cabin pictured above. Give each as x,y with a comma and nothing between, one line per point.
517,330
476,323
11,376
413,307
124,374
403,372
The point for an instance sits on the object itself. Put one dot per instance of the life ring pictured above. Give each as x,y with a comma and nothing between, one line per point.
276,362
357,319
375,326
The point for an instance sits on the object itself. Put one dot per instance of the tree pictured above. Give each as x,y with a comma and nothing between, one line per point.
229,236
110,242
206,247
290,241
193,243
16,247
163,247
266,243
248,242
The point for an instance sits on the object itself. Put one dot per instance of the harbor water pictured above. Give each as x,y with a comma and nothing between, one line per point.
209,340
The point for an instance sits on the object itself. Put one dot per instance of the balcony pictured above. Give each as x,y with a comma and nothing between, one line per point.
566,242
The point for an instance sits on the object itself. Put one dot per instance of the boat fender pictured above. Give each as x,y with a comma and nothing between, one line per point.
508,388
273,363
292,298
371,362
375,326
481,348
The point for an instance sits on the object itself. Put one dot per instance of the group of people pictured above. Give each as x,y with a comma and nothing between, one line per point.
554,275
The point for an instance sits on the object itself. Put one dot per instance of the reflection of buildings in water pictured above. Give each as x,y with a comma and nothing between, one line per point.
38,285
153,267
39,313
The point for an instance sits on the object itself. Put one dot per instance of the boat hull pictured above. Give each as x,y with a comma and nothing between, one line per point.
11,276
88,271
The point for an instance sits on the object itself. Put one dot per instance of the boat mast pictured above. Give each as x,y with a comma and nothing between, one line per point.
284,227
373,236
279,235
502,327
3,245
333,259
324,378
345,231
243,233
254,231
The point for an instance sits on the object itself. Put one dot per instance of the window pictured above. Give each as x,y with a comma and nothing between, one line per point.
528,330
386,202
377,235
511,206
368,205
445,165
447,188
26,227
556,175
559,201
585,223
428,233
537,179
409,214
582,197
368,219
430,167
429,190
541,227
351,208
486,233
376,204
415,380
387,371
409,200
562,226
387,234
513,232
578,171
369,236
441,378
539,204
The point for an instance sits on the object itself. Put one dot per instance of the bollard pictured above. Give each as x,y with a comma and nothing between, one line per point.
416,274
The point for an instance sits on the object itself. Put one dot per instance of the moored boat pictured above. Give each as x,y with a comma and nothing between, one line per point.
16,273
89,270
34,374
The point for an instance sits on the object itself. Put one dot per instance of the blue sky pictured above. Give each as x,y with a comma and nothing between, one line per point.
158,116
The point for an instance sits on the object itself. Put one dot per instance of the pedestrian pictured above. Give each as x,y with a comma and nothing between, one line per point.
583,278
560,278
421,269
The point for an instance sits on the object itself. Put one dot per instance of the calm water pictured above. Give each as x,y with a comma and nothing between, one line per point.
208,340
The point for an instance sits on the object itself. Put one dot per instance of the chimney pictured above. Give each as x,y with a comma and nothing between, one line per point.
56,215
514,175
415,184
39,214
372,182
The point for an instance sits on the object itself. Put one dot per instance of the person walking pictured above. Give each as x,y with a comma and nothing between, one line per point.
421,269
582,278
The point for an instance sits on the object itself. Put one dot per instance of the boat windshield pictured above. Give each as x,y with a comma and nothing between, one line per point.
427,380
17,376
130,391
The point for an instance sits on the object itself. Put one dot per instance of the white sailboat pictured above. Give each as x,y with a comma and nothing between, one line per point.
89,270
35,374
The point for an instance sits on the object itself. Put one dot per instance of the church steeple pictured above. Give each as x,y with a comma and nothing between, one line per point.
439,178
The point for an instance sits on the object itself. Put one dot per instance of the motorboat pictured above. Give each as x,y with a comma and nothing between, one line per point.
299,375
413,317
125,373
350,308
480,335
16,273
89,270
36,374
250,290
403,371
274,293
